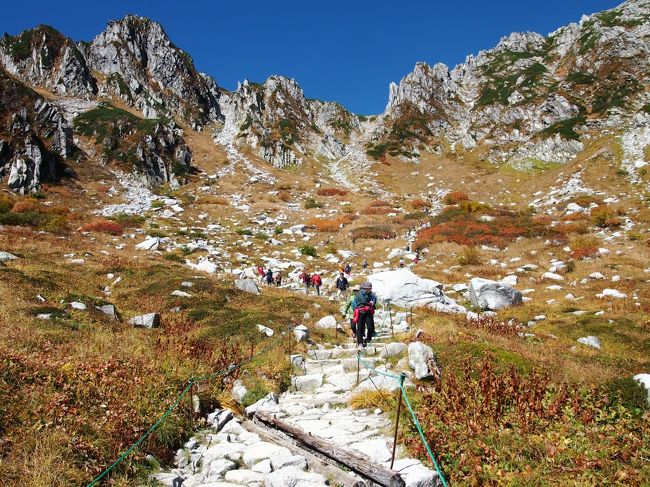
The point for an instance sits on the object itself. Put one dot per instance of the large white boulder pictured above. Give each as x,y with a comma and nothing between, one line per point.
247,285
403,288
301,333
150,320
326,322
590,341
419,357
204,266
487,294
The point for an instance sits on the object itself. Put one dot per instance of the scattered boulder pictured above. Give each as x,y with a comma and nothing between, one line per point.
265,330
247,285
219,418
487,294
151,243
326,322
238,391
419,357
181,294
612,293
109,310
6,256
552,276
644,380
590,341
78,305
301,332
149,320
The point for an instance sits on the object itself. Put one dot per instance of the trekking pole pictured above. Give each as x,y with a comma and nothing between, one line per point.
399,407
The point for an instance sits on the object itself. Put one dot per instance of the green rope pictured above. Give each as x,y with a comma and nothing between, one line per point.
371,368
192,380
415,421
419,428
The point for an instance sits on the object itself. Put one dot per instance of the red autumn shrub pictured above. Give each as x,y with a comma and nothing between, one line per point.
330,225
331,192
455,197
419,204
103,226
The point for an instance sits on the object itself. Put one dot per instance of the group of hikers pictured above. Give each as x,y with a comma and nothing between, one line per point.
269,277
359,307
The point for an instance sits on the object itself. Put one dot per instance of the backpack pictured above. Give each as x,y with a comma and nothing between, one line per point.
316,280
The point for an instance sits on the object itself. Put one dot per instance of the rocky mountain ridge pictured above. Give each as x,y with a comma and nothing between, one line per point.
529,98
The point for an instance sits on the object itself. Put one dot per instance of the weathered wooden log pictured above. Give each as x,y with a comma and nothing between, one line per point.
354,461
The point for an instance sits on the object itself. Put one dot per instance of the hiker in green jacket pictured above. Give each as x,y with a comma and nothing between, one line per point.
348,310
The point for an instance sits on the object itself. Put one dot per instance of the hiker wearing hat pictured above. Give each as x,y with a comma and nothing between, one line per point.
364,309
348,310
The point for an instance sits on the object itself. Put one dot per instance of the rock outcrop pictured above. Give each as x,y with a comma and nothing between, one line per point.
35,138
146,70
529,97
45,57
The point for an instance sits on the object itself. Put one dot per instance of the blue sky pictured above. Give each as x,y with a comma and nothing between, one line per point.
346,51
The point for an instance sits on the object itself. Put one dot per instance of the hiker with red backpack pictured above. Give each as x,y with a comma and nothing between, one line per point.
316,281
305,278
261,273
364,310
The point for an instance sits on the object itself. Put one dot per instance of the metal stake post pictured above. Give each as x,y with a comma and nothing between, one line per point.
399,407
192,404
390,315
358,365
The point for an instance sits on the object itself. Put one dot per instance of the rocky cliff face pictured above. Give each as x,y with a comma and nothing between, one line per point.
43,56
147,71
530,96
276,120
34,137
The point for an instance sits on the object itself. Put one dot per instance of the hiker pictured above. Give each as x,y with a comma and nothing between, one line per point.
342,285
277,279
261,273
316,281
348,310
269,277
364,264
305,278
348,269
364,309
401,263
408,247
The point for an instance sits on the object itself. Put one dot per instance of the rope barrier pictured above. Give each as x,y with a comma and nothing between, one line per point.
414,418
424,440
191,381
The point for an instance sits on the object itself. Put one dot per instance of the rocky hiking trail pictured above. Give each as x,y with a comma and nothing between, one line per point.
251,451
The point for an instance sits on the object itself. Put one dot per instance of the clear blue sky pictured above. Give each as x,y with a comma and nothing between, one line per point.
346,51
